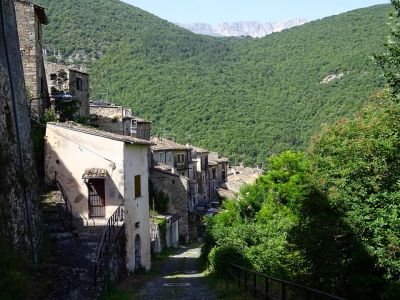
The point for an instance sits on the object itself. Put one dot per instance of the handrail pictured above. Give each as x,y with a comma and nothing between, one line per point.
108,240
68,206
283,283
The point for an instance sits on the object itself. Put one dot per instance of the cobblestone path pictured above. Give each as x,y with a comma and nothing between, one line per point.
180,278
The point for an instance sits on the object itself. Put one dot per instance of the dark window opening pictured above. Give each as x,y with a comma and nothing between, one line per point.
53,76
138,188
79,84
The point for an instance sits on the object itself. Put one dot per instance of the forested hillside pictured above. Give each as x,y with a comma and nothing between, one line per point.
246,98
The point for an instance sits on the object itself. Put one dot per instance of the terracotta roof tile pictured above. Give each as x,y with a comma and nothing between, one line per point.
105,134
160,144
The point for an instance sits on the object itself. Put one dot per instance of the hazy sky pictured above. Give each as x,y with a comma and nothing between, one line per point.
215,11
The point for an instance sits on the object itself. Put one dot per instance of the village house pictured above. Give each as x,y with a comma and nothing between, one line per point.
30,18
200,175
120,120
100,171
217,172
170,165
68,84
189,178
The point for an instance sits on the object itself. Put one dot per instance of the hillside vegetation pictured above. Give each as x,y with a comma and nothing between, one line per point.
246,98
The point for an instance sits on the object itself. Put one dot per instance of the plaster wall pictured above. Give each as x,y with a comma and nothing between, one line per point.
137,208
68,153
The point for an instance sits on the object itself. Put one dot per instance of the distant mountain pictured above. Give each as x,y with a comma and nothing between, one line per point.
245,98
252,28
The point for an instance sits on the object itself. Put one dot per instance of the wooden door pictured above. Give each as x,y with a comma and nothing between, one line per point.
97,201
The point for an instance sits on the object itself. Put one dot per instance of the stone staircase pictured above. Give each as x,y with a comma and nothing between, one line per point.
74,243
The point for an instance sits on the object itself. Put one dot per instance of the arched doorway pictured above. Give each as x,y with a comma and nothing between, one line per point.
138,256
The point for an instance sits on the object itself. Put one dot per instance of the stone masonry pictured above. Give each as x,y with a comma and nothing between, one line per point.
77,83
177,189
30,18
19,216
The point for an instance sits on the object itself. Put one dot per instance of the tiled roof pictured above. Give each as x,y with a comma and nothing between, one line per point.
163,167
104,134
94,173
199,150
164,144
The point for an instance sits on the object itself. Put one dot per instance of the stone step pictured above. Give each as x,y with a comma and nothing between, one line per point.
61,236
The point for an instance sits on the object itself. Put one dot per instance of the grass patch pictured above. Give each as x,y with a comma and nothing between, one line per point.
224,289
20,278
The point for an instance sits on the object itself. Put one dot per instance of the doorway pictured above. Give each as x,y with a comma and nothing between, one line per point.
97,201
138,256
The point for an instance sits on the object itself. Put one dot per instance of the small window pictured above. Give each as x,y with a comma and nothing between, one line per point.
53,76
79,84
137,225
138,188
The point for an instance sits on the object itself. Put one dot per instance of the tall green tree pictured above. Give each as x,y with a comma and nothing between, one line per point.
389,61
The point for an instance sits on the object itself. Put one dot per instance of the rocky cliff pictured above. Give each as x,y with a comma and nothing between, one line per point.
253,28
19,217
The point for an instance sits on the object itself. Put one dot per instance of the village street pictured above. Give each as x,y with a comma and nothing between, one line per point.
180,277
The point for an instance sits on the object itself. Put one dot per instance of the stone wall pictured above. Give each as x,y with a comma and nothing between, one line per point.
107,117
30,39
19,215
178,190
81,94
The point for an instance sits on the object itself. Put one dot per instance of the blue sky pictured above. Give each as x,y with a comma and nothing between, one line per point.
215,11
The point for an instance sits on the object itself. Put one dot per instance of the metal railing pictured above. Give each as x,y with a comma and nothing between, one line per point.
107,244
267,287
68,207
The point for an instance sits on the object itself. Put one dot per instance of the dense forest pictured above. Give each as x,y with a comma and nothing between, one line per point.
246,98
327,217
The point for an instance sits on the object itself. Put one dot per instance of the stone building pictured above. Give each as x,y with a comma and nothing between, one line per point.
30,18
201,175
172,154
100,171
120,120
218,173
19,214
65,83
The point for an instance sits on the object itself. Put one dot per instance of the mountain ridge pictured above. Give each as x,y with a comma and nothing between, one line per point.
254,29
244,98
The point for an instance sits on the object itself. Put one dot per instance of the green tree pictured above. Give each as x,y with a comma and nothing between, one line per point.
389,61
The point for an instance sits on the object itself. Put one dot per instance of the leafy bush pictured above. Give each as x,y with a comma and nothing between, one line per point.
221,257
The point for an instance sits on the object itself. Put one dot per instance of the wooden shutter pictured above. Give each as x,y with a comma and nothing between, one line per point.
138,188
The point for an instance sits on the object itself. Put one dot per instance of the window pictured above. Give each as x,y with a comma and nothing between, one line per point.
138,188
137,225
223,174
79,84
160,157
53,76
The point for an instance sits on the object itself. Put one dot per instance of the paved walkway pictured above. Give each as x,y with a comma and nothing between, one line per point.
180,278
